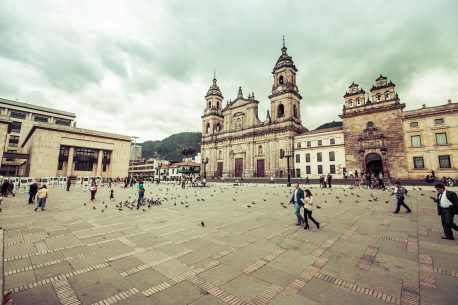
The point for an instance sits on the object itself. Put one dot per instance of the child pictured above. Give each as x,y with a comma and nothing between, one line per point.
112,195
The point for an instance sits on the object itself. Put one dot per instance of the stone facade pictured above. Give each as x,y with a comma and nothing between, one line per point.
374,140
237,143
431,141
55,151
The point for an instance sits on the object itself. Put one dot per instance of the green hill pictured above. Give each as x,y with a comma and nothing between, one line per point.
170,148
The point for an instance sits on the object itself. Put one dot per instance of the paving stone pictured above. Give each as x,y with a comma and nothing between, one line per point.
182,293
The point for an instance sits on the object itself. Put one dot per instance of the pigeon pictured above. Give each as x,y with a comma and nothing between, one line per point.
248,206
186,206
94,208
202,224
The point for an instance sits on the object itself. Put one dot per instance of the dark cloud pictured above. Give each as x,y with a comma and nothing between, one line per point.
143,68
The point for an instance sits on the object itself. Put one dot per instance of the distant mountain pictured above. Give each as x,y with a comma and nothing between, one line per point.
170,148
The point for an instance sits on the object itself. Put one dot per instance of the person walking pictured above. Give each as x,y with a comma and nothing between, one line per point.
93,190
111,195
356,174
447,207
329,180
42,196
381,184
308,208
141,195
69,183
351,174
33,189
298,200
400,192
307,180
5,187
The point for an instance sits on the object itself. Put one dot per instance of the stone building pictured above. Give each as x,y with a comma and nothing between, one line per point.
320,151
237,143
372,127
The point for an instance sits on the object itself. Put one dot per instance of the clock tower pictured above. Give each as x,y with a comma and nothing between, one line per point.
285,98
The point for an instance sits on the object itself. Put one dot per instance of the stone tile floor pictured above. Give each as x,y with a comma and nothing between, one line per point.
249,252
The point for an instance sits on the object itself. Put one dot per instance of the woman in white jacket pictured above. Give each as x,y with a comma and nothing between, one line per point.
308,207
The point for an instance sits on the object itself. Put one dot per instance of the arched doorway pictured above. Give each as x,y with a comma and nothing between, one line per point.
374,163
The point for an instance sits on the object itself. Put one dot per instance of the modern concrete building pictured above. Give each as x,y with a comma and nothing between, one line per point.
43,142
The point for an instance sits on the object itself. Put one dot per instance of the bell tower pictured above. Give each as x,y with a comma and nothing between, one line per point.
285,98
212,120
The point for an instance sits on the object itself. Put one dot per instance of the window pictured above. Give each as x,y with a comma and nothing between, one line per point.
60,165
441,138
319,157
332,156
259,150
387,96
11,151
84,166
308,170
298,158
104,167
439,121
280,80
413,124
370,124
207,129
14,141
415,141
218,127
332,141
16,127
320,169
298,144
358,103
379,97
307,157
350,103
84,152
40,118
444,162
18,115
63,122
295,111
298,172
280,111
332,169
309,143
320,142
418,162
282,153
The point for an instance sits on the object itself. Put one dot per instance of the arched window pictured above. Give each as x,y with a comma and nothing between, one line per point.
207,129
350,103
280,111
370,124
209,104
358,103
295,111
280,80
217,104
260,150
220,154
387,96
379,97
218,127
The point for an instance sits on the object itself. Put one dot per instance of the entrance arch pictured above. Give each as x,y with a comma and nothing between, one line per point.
374,163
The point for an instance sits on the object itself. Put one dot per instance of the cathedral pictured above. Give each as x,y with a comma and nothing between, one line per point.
237,143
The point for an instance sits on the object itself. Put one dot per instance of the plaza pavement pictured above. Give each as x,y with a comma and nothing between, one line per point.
363,253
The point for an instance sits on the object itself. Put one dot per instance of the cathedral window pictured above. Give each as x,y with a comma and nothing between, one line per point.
217,104
209,104
260,150
207,129
350,103
218,127
379,97
370,124
220,154
358,103
280,111
387,96
295,111
280,80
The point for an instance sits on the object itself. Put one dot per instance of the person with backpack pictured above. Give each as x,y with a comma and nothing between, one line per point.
400,192
93,189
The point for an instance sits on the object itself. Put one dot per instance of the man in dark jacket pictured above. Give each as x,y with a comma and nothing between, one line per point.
33,189
298,200
447,207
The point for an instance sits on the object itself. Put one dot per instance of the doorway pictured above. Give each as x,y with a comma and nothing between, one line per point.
260,168
239,167
374,163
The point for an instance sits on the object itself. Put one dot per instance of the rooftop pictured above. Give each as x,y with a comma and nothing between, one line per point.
35,107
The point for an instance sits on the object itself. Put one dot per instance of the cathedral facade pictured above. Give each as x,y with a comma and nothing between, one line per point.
237,143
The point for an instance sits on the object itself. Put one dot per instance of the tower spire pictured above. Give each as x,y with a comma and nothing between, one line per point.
284,41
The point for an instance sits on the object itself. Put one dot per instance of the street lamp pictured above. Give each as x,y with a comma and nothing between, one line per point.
288,156
205,161
132,157
159,171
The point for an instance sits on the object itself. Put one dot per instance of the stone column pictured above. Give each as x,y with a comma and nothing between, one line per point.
99,163
71,152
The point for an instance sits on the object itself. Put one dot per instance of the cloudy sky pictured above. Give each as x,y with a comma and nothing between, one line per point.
143,67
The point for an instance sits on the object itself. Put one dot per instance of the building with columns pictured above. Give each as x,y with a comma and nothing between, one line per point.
43,142
237,143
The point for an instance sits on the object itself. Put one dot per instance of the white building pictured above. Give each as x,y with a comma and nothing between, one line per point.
135,151
320,151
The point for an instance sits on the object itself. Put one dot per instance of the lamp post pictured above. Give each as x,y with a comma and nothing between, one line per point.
205,161
288,156
159,171
132,157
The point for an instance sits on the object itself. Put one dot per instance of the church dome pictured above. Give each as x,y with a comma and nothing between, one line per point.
284,60
214,90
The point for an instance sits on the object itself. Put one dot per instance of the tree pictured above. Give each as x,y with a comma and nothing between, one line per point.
188,151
